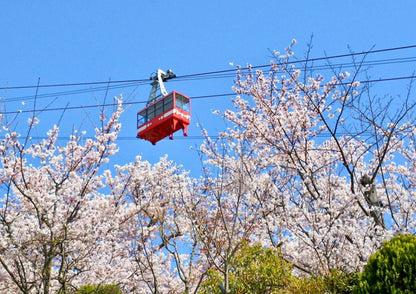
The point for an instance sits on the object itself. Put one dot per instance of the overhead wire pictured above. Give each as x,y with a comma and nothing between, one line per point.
309,60
192,137
312,67
71,92
73,84
192,97
117,84
216,76
352,54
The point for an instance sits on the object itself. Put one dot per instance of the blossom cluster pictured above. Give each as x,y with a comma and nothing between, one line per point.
307,165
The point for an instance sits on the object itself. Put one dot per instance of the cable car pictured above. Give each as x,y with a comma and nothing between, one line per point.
164,114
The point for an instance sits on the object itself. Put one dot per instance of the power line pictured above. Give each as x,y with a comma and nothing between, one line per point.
75,84
192,97
71,92
210,73
192,137
136,84
308,60
317,67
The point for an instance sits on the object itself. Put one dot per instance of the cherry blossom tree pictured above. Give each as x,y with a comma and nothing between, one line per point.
67,222
52,216
156,233
319,168
337,163
231,205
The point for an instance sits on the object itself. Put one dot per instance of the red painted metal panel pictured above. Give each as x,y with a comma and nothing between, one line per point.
165,124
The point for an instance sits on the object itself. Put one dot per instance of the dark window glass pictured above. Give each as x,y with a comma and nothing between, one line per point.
182,102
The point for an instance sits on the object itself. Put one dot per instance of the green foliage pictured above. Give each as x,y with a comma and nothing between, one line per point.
254,269
259,270
342,282
392,269
99,289
212,283
306,285
337,281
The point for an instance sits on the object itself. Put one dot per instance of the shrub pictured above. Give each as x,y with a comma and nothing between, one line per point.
254,269
339,281
305,285
392,269
99,289
336,281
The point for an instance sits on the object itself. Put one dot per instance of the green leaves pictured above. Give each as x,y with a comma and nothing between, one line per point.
392,268
99,289
254,269
259,270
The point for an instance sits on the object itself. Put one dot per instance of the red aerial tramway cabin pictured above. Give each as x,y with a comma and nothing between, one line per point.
163,116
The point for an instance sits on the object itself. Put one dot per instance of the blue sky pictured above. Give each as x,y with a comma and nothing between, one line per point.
87,41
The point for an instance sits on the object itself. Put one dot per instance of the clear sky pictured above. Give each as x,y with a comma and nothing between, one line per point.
88,41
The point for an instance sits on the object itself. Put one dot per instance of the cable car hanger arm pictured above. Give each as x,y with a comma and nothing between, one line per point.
158,80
